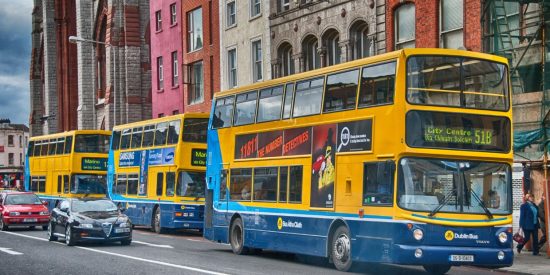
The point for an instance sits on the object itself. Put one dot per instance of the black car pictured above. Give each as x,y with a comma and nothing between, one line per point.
86,219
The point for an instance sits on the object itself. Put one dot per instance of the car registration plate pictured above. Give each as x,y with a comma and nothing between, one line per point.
122,230
462,258
29,220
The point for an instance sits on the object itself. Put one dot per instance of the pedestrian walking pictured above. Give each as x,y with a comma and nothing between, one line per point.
529,223
542,221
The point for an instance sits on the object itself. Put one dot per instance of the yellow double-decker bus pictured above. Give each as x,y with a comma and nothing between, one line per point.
399,158
157,171
68,164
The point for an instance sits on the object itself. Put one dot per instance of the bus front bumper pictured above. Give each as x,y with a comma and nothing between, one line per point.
449,255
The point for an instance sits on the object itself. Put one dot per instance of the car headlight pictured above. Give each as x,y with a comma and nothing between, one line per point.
15,213
86,225
44,213
502,237
418,234
124,224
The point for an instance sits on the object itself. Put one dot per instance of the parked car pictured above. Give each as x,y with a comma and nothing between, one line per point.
22,209
89,220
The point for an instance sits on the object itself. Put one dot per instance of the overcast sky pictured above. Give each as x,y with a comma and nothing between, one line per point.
15,51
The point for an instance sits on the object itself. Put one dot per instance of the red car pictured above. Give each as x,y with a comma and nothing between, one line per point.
22,209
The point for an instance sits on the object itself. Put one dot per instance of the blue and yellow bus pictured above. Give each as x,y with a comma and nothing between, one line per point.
399,158
68,164
157,171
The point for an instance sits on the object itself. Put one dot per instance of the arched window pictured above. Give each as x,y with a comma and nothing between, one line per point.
331,38
405,27
284,53
451,24
312,60
361,46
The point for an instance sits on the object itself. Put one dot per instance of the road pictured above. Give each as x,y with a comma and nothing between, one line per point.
29,252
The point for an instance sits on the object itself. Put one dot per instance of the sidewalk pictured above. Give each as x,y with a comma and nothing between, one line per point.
528,264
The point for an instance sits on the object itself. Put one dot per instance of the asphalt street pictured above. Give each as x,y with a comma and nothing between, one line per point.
25,251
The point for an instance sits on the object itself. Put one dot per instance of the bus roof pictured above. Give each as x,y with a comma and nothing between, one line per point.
72,133
359,62
161,119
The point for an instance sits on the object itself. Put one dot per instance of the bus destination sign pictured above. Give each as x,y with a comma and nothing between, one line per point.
94,164
459,135
198,157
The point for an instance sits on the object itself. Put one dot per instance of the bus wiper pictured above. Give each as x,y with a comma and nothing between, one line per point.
478,199
443,203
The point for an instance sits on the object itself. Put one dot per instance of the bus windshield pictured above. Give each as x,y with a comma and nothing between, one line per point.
92,144
457,81
88,184
435,185
191,184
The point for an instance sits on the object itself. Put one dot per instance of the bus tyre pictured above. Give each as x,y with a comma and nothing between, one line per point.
156,222
341,249
236,237
437,269
51,236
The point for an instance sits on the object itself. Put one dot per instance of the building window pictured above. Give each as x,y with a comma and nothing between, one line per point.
161,115
158,16
173,14
194,30
405,27
257,60
10,140
451,24
175,112
11,161
283,5
196,91
160,73
360,43
174,69
285,57
312,57
232,67
330,41
20,142
231,14
255,8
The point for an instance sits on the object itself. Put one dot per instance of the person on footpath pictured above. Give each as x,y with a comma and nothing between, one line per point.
542,221
529,223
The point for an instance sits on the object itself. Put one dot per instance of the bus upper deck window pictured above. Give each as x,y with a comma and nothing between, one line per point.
173,132
30,149
223,113
341,91
289,94
137,134
68,144
245,108
377,84
160,134
60,146
308,97
116,140
269,107
126,139
148,135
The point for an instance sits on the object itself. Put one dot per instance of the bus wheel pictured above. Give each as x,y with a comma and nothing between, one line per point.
236,237
341,249
156,222
437,269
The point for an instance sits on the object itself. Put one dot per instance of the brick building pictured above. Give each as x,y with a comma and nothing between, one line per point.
201,53
13,141
433,24
166,57
88,85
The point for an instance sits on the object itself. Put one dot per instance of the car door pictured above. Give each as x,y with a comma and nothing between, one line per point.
61,216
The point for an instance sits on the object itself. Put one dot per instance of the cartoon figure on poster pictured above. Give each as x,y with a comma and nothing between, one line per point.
323,168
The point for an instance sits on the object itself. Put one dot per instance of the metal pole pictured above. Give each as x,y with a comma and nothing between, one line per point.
114,87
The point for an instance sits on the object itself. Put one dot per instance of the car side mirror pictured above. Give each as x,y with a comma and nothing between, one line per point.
64,210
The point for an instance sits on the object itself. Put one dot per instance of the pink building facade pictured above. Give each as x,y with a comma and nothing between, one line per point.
166,57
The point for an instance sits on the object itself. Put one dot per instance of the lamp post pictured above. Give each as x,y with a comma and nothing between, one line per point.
75,40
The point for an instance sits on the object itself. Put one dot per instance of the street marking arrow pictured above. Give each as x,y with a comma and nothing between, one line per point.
154,245
8,250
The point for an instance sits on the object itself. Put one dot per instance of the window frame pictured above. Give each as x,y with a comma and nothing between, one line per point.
398,45
391,185
175,69
192,92
232,71
323,77
191,34
253,5
257,60
160,73
235,109
357,90
270,89
443,33
359,105
231,18
173,14
158,20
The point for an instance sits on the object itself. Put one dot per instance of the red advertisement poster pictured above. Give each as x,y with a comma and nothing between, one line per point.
270,144
297,142
246,146
323,166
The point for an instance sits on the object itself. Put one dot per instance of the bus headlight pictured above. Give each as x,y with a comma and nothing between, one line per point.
500,255
502,237
418,253
418,234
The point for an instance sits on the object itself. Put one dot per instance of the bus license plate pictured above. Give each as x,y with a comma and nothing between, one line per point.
29,220
462,258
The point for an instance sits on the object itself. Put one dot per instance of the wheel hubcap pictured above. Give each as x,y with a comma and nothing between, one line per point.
342,248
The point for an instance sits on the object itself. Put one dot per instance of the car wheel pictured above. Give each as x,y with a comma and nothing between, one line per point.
237,237
3,226
156,222
51,236
340,252
126,242
437,269
69,236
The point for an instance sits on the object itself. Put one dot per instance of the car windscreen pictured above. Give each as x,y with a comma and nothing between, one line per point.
22,199
93,205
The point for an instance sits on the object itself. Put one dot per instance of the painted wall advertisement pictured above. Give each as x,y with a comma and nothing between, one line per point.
322,142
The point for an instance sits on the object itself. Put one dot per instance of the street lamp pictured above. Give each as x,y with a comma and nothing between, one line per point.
75,40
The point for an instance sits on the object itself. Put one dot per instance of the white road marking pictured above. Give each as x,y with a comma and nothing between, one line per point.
154,245
128,257
9,251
